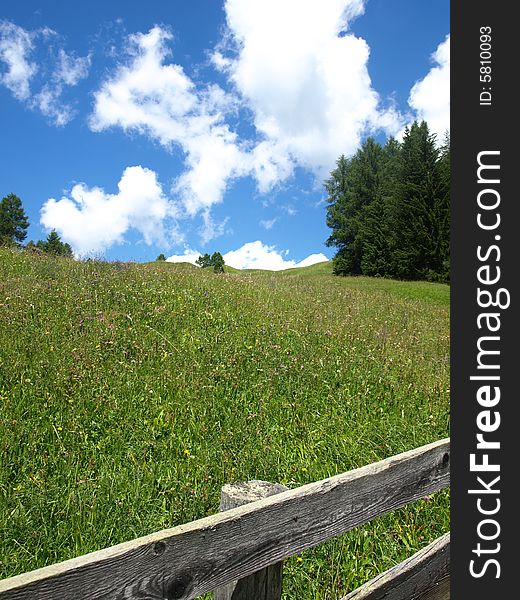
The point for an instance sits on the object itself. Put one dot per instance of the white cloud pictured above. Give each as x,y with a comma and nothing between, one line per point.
211,229
304,114
189,256
158,99
15,47
91,220
430,97
68,72
256,255
48,102
312,259
253,255
71,70
146,95
308,88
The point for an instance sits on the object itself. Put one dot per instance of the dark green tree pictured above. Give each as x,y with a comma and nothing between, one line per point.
217,262
54,245
413,219
204,261
339,214
375,233
13,220
353,187
389,208
443,211
161,257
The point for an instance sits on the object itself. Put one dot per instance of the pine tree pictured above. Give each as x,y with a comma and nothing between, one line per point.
217,261
338,216
13,220
375,233
412,214
353,187
204,261
389,208
54,245
443,211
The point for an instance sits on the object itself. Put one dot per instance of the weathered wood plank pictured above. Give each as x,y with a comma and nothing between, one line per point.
423,576
189,560
441,591
265,584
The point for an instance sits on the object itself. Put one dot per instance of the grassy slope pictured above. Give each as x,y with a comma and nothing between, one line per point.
131,393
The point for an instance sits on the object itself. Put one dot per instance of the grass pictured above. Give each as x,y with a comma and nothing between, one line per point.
130,393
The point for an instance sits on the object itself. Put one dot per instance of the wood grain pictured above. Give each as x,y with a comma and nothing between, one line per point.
423,576
265,584
189,560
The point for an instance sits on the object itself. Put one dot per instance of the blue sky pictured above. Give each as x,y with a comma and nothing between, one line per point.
186,127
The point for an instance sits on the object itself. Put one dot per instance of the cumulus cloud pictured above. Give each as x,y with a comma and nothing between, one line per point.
256,255
303,113
48,80
430,97
189,256
15,47
253,255
91,220
308,88
156,98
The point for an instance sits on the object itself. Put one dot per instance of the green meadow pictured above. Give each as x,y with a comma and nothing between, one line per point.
130,393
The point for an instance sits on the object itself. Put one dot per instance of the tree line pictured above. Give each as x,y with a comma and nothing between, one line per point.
389,208
13,230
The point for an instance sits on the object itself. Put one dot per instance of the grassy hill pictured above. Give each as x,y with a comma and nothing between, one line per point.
130,393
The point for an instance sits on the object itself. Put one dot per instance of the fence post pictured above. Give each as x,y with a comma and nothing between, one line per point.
265,584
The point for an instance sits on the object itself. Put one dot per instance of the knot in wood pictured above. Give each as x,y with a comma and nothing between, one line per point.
159,548
178,586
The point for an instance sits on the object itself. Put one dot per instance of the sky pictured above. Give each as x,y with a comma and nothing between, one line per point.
190,126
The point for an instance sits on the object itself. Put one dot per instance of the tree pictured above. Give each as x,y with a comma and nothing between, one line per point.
204,261
217,262
389,208
54,245
339,214
413,218
13,220
161,257
443,210
353,187
375,232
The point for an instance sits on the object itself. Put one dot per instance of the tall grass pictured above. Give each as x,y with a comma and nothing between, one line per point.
130,393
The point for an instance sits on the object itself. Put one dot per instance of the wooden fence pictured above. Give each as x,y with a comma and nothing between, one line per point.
210,554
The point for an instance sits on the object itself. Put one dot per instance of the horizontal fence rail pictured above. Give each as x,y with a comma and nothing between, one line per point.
189,560
424,575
